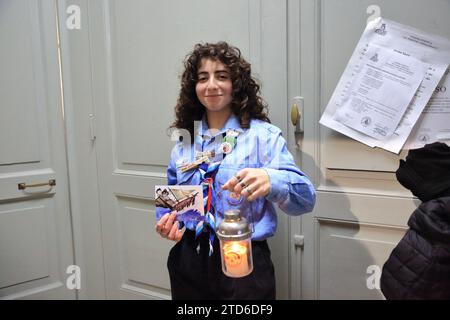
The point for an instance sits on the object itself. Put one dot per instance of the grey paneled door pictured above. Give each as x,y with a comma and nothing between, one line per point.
35,226
361,210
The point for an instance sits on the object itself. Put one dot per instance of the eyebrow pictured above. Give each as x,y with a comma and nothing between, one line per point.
217,71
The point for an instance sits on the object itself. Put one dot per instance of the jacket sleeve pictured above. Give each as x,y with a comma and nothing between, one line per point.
290,188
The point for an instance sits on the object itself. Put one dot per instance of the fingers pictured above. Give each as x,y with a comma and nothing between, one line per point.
236,180
252,189
252,183
166,224
244,184
255,191
173,231
162,222
240,181
179,235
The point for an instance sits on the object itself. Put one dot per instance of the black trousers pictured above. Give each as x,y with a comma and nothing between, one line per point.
196,275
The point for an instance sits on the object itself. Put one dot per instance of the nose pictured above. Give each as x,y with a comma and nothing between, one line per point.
212,84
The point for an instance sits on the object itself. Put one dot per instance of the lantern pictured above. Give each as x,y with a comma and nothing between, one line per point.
235,245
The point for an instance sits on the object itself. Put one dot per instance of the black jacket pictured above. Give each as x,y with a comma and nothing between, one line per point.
419,266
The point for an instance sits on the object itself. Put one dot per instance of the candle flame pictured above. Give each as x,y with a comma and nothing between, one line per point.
234,253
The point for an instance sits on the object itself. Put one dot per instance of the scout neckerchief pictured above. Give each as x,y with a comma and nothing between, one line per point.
208,171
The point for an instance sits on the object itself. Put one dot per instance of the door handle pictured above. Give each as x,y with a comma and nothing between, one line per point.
23,186
297,114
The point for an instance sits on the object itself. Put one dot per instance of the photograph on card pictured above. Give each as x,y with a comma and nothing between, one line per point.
186,201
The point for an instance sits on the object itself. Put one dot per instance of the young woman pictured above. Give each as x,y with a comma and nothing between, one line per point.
246,164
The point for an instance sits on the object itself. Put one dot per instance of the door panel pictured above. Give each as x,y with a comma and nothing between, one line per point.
361,210
35,226
28,260
344,247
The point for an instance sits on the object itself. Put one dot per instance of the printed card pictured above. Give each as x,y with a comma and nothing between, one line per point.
187,201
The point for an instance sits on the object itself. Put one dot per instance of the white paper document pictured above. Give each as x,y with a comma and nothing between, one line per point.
434,123
412,114
387,83
380,94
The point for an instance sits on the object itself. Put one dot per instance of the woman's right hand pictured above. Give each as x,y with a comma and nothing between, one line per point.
167,227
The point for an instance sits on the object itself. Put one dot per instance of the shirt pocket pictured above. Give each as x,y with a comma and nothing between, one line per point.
226,200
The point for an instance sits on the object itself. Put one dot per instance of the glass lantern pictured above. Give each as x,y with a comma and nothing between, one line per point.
235,245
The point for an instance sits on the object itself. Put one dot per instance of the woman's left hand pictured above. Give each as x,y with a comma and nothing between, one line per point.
250,182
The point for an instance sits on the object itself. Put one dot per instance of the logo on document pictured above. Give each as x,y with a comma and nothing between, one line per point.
366,121
381,30
424,138
374,58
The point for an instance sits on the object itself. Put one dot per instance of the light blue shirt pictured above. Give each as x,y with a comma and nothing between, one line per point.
260,146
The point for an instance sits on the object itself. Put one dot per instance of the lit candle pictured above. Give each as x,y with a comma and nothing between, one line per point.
236,258
235,244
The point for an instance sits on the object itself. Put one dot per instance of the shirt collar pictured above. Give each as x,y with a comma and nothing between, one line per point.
232,123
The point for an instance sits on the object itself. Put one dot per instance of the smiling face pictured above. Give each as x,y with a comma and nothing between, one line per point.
214,87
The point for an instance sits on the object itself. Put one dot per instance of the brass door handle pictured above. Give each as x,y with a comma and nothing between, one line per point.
23,186
295,114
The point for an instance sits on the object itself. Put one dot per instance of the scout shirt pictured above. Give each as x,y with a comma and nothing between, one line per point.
260,146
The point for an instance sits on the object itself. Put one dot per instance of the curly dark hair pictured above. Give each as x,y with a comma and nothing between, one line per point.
246,102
